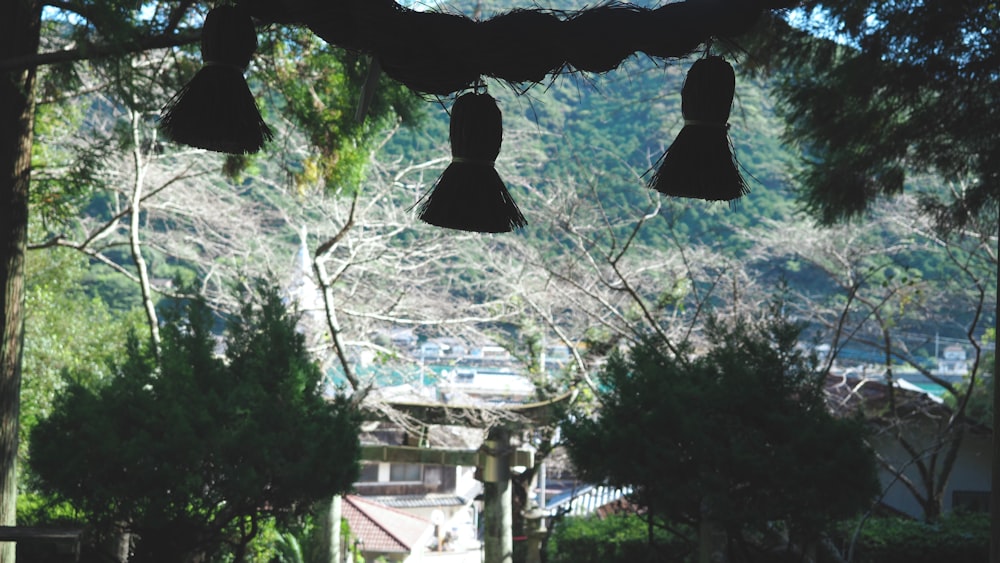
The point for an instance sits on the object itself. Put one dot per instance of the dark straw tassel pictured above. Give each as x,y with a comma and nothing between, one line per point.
700,163
215,110
470,195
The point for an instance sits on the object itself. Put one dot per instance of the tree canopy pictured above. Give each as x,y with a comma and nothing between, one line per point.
738,435
193,450
873,91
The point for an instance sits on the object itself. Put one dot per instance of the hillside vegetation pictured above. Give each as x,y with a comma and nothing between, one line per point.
578,151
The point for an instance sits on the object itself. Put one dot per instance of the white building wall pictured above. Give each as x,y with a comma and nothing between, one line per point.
971,471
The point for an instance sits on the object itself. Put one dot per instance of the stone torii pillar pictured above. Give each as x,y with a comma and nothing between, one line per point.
498,540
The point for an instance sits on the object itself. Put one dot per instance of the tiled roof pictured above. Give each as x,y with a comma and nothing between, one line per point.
874,398
417,501
429,500
381,528
847,394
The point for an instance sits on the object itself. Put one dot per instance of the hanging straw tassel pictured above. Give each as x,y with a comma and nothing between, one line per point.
700,163
215,110
470,195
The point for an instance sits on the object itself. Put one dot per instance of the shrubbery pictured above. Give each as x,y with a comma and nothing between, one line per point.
955,538
617,538
737,435
192,453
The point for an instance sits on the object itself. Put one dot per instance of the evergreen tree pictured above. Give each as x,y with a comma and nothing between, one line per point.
738,436
873,91
59,37
194,451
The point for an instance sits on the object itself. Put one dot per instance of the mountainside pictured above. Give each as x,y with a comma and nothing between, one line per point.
604,133
577,153
614,127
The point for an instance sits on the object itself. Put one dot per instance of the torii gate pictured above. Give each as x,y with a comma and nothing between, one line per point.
494,459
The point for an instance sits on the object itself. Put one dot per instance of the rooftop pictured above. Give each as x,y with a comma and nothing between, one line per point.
381,528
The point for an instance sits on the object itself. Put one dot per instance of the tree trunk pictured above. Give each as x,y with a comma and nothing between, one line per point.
135,245
330,516
995,478
19,34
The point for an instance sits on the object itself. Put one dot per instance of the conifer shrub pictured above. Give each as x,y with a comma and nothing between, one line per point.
616,538
955,538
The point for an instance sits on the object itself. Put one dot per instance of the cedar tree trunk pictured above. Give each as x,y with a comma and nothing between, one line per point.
20,26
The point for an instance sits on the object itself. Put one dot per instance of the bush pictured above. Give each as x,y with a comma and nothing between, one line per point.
622,537
192,452
955,538
739,433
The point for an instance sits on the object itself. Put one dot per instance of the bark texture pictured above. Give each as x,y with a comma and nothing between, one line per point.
19,34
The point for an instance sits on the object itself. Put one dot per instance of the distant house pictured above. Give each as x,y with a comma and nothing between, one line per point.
953,360
488,355
432,350
495,385
419,489
920,419
403,337
443,348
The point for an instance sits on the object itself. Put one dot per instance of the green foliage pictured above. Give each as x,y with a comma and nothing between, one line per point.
38,510
958,538
320,89
66,170
873,90
289,549
66,332
197,450
620,538
34,509
740,432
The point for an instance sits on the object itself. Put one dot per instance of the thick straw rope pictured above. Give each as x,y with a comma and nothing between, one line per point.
441,53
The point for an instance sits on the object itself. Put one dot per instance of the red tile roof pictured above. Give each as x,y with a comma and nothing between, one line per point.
383,529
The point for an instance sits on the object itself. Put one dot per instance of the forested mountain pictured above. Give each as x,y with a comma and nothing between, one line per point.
605,133
615,126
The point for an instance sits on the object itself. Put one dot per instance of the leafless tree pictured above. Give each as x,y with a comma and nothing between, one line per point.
883,305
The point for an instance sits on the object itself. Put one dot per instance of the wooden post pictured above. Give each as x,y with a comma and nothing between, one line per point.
498,537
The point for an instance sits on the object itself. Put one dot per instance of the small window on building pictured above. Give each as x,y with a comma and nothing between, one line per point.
369,473
970,501
405,472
